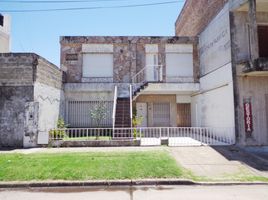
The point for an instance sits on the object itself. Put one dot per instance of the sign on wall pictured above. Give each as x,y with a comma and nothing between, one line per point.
248,120
214,43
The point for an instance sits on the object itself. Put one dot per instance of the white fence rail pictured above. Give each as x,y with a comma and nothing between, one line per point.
149,73
175,136
114,105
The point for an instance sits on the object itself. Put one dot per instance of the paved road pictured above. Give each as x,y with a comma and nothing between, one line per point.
253,192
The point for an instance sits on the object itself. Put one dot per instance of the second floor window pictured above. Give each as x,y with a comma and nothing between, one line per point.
98,65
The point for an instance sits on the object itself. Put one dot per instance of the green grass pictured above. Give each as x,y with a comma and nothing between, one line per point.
89,166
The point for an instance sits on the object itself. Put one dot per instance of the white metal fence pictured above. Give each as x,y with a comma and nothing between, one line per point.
175,136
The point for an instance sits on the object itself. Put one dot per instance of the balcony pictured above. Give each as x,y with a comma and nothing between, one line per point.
257,67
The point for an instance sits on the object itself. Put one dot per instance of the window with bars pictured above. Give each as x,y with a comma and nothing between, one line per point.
161,114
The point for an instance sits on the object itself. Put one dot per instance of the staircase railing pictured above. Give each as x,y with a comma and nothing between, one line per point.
153,73
114,106
130,104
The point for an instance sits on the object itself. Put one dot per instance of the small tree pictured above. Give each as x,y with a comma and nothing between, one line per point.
99,113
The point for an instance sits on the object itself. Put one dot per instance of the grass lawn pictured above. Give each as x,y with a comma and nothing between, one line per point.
89,166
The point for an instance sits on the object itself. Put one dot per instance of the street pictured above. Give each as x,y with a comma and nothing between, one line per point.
245,192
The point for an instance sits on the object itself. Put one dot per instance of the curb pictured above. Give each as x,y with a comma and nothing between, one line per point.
155,182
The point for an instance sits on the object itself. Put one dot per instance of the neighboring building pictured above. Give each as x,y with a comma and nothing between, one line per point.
30,99
161,71
4,33
233,54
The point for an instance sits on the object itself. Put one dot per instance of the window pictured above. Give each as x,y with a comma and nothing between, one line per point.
179,64
1,20
161,114
98,65
263,41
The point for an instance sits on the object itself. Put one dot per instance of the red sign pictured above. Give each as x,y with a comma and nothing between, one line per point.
248,116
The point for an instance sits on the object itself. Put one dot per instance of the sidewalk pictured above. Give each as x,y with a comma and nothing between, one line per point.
217,163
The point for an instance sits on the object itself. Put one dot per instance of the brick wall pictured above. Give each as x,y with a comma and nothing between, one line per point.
16,69
195,15
48,74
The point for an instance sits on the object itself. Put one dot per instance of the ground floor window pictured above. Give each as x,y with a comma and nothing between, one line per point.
78,114
161,114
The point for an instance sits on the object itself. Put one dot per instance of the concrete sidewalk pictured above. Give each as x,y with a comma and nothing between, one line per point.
219,163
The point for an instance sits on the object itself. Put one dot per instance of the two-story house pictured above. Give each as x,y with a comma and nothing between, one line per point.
153,77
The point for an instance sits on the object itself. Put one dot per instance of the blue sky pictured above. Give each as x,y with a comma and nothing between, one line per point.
39,32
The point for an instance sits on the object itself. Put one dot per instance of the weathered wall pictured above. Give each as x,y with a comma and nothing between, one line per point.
196,15
16,69
49,95
255,89
240,33
13,101
214,43
128,54
5,35
213,106
30,95
16,86
150,99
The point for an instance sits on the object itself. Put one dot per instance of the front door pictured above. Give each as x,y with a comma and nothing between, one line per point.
183,114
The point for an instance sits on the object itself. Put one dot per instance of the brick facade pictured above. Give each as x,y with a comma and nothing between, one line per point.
195,16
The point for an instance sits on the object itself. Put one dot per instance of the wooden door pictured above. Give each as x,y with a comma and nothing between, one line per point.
183,114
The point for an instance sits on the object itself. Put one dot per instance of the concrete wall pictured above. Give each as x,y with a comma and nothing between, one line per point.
129,54
215,44
30,98
13,100
5,35
196,15
248,87
240,34
213,106
255,89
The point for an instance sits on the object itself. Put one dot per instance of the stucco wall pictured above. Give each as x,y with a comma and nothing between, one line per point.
28,85
213,106
13,101
240,34
255,89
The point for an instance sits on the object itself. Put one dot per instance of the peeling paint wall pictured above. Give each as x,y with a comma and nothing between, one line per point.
13,101
249,87
213,106
30,100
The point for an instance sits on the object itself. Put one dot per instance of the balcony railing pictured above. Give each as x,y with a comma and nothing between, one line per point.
150,73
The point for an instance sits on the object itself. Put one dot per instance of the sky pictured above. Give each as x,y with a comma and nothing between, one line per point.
39,32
